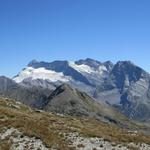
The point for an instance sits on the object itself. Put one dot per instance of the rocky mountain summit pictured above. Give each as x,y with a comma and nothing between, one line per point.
69,101
123,85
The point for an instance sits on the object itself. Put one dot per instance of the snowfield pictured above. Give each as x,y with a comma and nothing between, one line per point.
87,69
41,73
52,76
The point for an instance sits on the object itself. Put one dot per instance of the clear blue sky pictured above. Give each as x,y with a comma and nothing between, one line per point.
73,29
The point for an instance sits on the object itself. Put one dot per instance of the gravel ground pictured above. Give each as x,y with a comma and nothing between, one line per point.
21,142
82,143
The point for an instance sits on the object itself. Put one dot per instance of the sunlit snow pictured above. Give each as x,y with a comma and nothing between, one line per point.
41,73
87,69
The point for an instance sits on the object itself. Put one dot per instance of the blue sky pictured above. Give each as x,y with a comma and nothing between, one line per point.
73,29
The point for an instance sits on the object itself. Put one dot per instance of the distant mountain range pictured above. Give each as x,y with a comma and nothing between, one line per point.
123,85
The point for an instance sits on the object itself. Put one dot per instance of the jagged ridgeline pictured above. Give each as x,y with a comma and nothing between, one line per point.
123,85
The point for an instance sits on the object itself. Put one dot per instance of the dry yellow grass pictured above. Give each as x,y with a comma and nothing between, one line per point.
5,145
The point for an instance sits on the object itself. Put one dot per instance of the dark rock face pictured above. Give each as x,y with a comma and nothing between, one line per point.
130,85
109,65
94,63
89,62
6,83
125,73
33,97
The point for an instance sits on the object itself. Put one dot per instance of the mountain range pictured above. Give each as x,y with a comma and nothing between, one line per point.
67,87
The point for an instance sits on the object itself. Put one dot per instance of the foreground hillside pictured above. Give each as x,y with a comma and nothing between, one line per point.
24,128
70,101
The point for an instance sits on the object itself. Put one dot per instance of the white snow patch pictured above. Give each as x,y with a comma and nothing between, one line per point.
101,69
81,68
87,69
41,73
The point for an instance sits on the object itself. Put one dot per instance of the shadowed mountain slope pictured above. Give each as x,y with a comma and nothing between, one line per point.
70,101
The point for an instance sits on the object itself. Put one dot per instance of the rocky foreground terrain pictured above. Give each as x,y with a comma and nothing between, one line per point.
82,105
23,128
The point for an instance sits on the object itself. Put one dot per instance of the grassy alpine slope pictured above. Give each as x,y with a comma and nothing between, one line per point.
52,129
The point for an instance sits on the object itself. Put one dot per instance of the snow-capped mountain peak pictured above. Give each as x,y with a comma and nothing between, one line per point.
81,68
41,73
88,69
